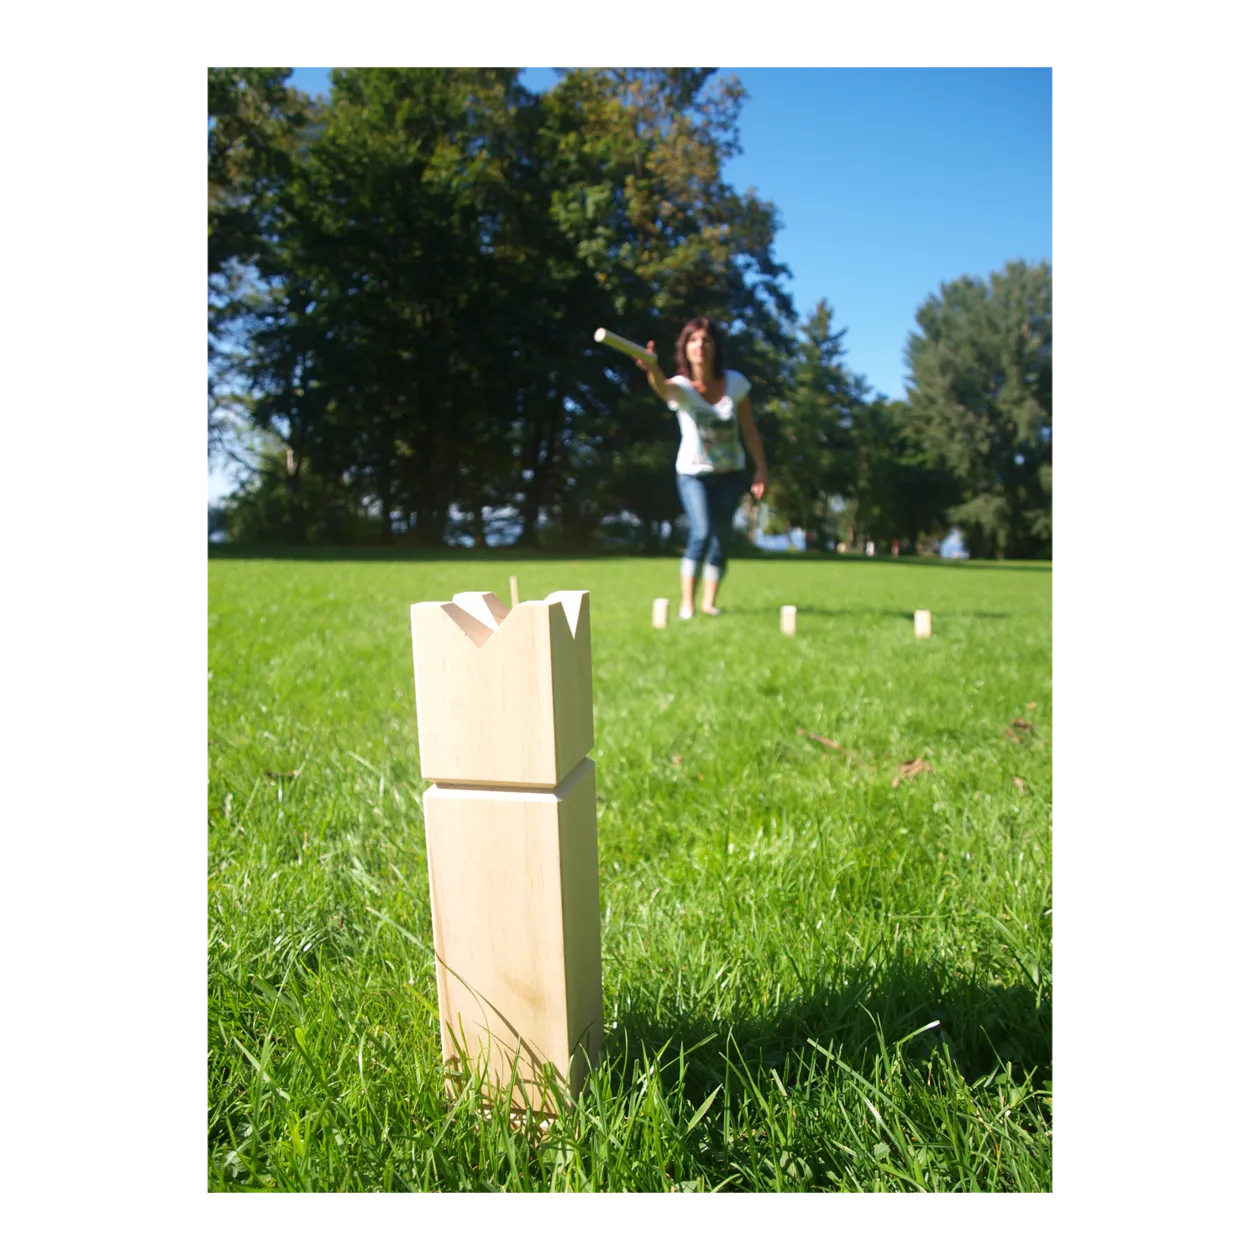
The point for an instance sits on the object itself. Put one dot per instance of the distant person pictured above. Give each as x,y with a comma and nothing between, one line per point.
709,398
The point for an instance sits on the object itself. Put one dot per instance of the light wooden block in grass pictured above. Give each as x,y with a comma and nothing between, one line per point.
787,618
514,886
660,613
922,624
503,696
504,707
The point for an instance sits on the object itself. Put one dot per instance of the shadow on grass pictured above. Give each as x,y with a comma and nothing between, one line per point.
984,1028
899,614
805,610
963,566
930,562
407,554
824,1043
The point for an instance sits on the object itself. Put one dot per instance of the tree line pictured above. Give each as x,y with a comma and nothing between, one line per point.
404,280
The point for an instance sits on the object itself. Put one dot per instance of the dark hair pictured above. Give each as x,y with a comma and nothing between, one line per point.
680,350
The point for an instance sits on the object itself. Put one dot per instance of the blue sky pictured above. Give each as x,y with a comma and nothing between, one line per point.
888,183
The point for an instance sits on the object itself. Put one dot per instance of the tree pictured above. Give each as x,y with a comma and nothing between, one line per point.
256,128
374,307
897,491
810,427
274,507
404,225
981,401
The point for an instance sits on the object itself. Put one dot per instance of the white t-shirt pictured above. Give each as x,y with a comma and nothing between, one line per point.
710,431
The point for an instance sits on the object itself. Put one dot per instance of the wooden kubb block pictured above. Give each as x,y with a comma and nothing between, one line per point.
504,705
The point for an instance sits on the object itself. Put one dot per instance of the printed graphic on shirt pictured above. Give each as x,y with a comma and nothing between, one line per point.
719,437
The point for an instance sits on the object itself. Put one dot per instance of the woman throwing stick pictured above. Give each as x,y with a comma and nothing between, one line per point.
708,398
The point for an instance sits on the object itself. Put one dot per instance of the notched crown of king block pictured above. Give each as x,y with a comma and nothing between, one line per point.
503,696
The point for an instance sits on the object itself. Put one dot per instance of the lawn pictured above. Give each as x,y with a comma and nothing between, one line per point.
822,970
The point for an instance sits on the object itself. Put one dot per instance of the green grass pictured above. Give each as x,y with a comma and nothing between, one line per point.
812,980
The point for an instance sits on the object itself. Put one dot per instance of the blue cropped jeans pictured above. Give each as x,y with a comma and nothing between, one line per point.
710,502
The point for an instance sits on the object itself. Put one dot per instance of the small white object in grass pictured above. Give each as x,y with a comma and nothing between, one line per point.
660,613
787,618
922,624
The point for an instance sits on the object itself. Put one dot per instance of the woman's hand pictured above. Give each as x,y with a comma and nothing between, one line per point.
656,378
760,477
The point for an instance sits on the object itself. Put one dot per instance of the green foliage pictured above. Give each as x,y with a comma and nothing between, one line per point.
254,124
981,399
809,426
294,507
898,491
257,129
845,466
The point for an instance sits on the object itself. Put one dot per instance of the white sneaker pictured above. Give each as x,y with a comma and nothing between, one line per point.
687,615
711,612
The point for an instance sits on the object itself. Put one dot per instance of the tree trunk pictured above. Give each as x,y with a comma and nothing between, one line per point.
431,525
296,529
538,461
385,485
529,514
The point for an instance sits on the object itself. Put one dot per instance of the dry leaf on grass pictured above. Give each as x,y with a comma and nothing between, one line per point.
1022,724
1019,783
908,769
830,743
677,759
1032,704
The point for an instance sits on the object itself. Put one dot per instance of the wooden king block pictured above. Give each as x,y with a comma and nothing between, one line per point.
787,618
660,613
922,624
505,714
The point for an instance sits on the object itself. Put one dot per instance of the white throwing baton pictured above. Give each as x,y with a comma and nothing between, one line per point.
632,348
